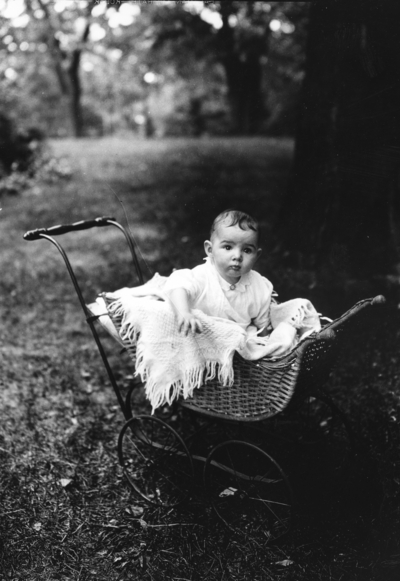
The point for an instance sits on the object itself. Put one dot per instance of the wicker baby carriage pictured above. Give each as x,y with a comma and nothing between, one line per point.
244,483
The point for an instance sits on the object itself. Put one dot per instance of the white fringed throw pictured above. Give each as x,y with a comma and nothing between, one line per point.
172,365
169,363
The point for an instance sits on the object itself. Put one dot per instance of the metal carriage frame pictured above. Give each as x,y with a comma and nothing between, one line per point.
246,486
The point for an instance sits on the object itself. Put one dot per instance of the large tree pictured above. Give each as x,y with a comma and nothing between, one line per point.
342,208
241,50
246,41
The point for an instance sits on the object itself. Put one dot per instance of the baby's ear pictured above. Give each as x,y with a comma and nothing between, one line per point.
208,247
259,250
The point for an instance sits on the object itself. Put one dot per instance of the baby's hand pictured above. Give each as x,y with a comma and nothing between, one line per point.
188,322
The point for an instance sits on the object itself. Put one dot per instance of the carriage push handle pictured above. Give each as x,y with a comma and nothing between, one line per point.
40,233
48,233
64,228
329,334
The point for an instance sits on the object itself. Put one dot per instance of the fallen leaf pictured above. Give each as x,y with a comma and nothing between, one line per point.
228,492
65,481
285,563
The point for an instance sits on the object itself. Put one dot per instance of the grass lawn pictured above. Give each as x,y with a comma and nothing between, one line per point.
66,511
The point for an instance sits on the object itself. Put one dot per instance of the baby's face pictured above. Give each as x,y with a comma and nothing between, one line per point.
233,251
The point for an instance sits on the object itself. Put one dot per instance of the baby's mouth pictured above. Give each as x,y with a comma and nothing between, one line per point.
235,267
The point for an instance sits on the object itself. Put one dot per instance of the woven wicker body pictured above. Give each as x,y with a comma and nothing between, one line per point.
263,388
260,389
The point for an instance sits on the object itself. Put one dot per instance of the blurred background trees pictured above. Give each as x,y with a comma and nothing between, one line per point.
96,67
100,67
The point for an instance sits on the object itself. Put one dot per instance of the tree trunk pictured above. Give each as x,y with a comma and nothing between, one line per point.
342,205
73,71
75,94
243,71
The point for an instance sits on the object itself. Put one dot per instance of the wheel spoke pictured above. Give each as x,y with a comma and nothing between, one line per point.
248,490
155,459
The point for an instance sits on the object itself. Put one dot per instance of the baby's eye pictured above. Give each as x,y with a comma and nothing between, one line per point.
227,247
248,250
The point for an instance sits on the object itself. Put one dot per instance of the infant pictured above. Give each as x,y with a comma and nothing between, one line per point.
187,326
226,285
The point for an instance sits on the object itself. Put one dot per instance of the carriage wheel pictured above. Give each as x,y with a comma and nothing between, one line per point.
135,397
155,460
248,489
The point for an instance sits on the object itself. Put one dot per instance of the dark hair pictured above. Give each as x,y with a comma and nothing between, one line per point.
237,218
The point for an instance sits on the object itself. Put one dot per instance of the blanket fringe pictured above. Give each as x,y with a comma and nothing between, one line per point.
172,366
159,392
127,331
183,387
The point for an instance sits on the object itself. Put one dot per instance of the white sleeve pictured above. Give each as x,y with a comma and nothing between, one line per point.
264,290
184,279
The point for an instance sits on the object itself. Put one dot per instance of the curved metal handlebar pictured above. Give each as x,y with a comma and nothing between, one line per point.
64,228
328,334
378,300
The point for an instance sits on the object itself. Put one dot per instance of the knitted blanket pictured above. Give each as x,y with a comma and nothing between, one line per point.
172,365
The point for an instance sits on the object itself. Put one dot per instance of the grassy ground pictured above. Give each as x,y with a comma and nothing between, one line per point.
66,510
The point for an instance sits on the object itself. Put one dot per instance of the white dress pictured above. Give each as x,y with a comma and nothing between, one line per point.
247,304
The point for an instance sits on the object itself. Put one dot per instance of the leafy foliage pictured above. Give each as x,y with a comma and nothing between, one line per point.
17,151
24,158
